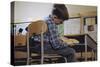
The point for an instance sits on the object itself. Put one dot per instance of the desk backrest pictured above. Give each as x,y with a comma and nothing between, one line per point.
37,27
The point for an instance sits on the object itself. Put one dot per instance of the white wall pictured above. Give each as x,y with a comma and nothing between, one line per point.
72,26
27,11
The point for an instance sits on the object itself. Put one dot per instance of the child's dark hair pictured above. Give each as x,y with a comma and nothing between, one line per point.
60,10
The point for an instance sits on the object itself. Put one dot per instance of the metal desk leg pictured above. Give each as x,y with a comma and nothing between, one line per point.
85,47
28,50
42,49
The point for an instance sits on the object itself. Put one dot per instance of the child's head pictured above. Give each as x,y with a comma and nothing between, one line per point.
60,13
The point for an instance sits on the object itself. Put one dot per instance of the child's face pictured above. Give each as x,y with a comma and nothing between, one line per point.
57,20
